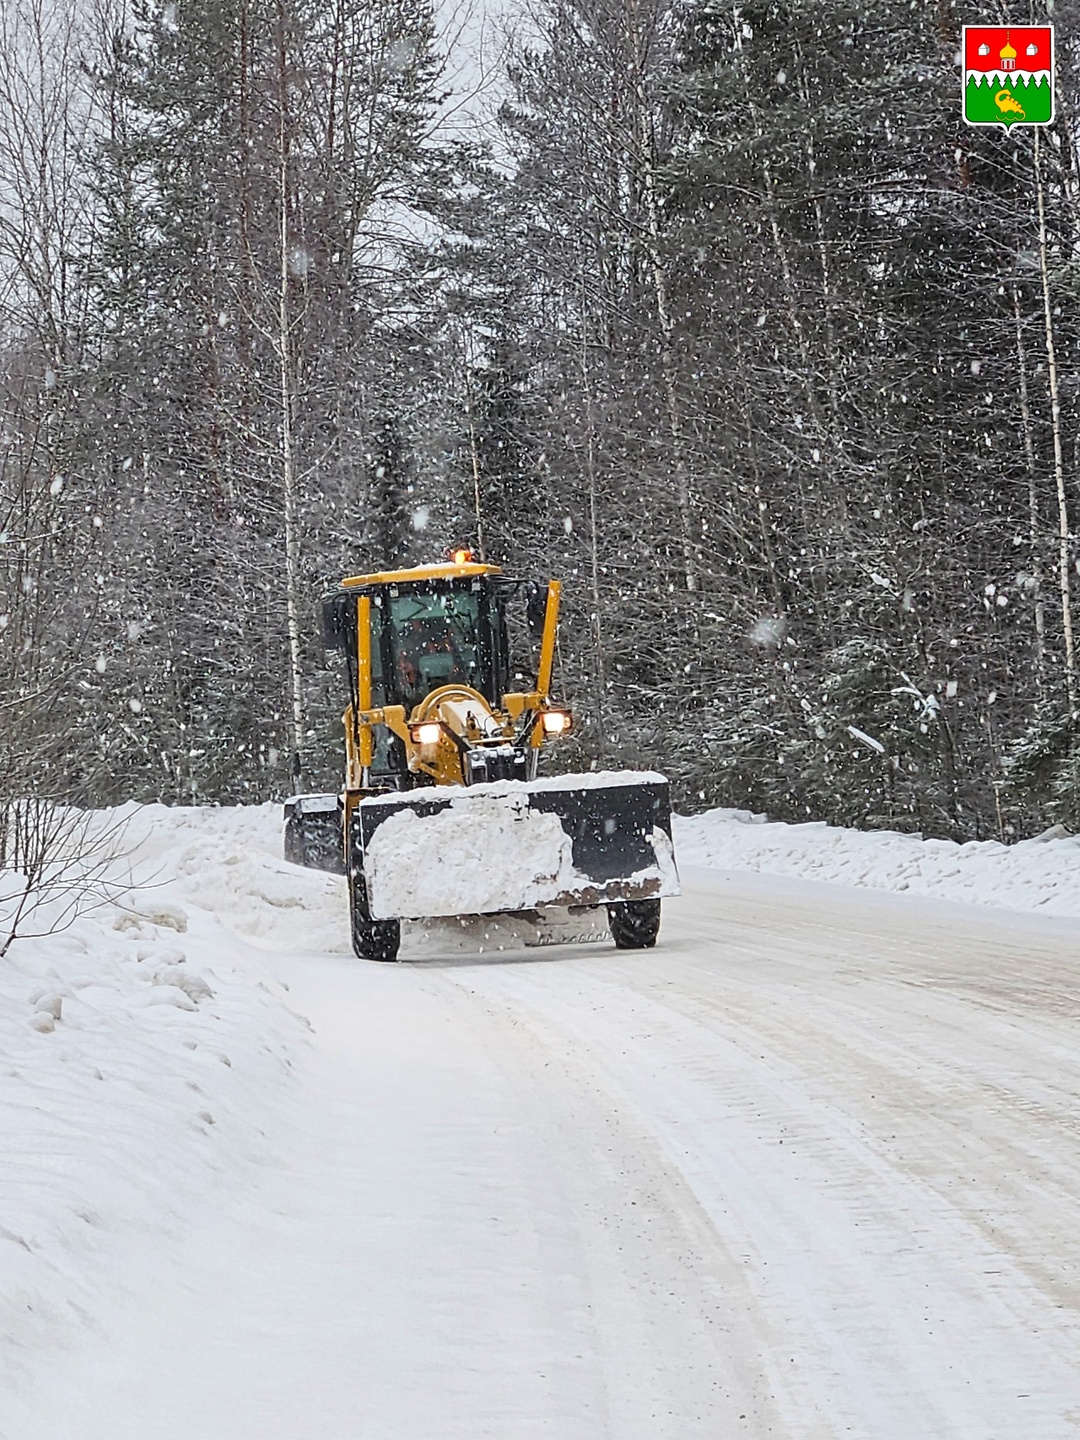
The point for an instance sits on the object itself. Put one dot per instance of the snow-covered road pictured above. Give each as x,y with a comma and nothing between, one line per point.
811,1168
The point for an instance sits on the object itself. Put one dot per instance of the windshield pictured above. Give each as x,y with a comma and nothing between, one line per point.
433,639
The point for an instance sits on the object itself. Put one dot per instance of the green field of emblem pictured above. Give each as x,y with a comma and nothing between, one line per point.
1009,103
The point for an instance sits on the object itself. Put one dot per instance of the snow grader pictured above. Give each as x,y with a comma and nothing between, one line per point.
442,812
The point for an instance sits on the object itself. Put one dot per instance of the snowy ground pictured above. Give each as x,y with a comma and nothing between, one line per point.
811,1168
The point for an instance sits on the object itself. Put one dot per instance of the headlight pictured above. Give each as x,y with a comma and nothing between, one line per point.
556,722
427,733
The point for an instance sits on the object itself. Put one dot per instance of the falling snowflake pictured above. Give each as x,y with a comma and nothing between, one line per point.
769,632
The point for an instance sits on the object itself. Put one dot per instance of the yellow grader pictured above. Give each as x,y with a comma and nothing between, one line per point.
442,811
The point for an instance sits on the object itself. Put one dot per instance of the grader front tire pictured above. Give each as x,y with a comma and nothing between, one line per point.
634,924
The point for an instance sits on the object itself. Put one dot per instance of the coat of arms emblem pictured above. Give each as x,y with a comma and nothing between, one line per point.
1008,74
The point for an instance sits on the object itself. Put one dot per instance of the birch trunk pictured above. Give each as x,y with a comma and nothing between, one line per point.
1033,494
599,667
1059,464
646,138
286,364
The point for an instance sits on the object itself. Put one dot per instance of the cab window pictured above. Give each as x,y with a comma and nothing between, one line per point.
433,639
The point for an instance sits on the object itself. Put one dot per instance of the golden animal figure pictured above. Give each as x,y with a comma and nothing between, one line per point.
1008,104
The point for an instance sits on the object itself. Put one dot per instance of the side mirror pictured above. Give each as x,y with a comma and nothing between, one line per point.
339,621
536,597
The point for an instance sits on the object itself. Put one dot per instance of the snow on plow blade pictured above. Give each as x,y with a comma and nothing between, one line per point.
515,845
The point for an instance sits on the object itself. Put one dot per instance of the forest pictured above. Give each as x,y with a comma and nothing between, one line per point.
717,311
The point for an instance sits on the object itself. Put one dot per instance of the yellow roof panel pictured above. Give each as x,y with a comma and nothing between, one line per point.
446,571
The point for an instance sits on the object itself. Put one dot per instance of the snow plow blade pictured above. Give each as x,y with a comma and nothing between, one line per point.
515,845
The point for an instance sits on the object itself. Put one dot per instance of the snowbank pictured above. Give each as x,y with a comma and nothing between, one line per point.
144,1051
1040,874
